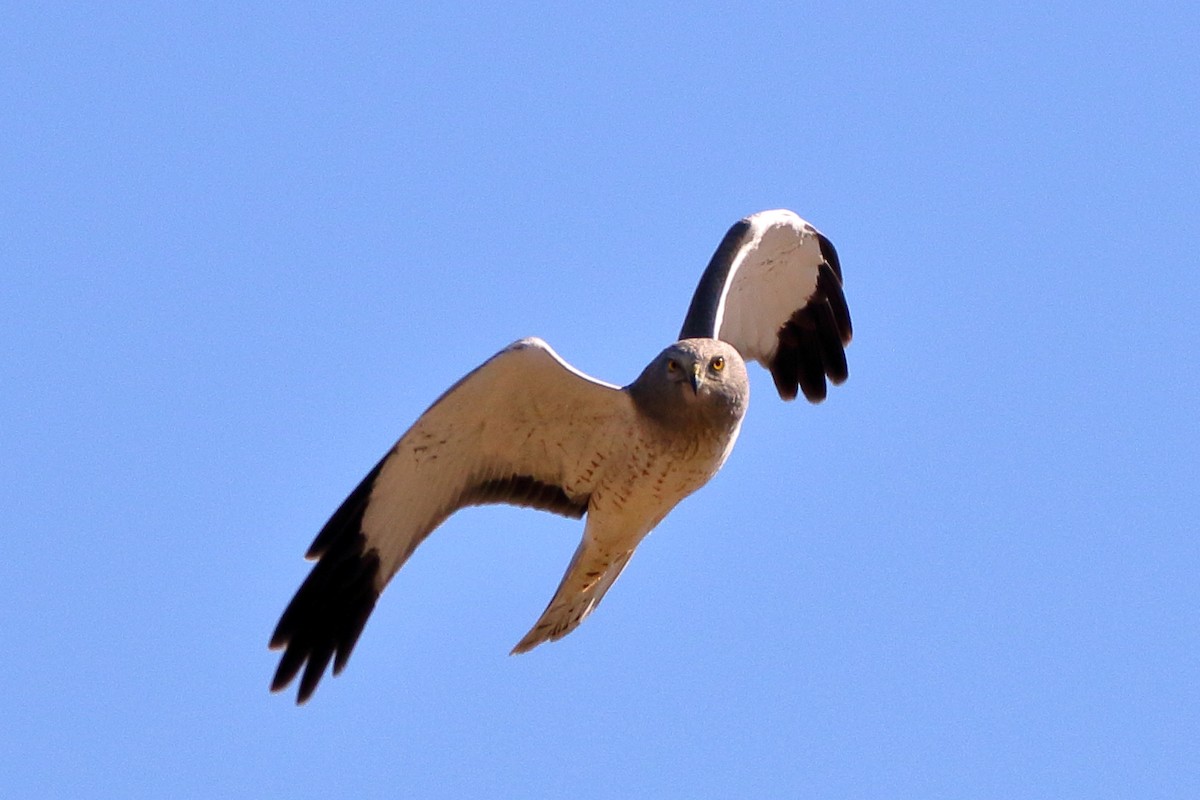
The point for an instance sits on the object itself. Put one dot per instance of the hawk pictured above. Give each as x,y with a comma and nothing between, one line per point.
527,429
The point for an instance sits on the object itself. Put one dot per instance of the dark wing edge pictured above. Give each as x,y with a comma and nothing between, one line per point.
701,319
812,343
329,610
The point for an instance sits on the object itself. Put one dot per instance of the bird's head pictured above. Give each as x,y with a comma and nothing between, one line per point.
694,377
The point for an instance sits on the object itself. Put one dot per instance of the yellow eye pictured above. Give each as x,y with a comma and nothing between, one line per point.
672,365
718,363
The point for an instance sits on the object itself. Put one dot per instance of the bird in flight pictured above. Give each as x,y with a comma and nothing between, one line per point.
527,429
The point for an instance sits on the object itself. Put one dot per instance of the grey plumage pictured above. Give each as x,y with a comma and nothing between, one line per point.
716,376
525,428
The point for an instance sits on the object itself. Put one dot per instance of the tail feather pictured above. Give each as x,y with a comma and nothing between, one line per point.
590,574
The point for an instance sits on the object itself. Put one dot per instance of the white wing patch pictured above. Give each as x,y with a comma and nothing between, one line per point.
774,274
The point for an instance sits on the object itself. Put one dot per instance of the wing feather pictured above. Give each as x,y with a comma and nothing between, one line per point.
773,289
525,428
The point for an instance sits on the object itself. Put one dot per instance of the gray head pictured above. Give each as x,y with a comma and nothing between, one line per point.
694,381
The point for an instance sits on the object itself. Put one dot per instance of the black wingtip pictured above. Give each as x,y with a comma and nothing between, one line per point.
812,343
325,618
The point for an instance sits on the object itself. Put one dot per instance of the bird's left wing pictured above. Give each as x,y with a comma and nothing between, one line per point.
524,428
773,289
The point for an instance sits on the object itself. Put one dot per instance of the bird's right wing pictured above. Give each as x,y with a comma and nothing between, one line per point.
524,428
773,290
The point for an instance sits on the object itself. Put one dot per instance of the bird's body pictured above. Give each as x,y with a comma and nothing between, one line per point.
670,440
526,428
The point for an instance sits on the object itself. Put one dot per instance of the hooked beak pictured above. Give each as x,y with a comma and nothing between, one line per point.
696,378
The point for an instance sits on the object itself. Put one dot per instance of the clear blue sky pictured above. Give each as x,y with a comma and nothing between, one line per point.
243,247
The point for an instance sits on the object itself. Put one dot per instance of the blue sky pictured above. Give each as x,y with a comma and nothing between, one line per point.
245,246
